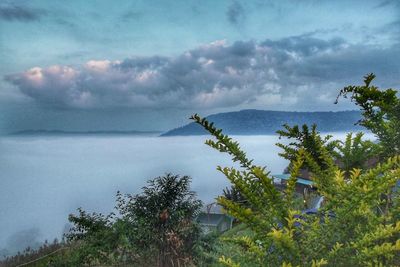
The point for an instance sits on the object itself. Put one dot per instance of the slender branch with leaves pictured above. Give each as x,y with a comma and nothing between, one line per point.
380,110
359,223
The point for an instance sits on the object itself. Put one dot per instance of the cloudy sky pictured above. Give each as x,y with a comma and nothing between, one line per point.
148,65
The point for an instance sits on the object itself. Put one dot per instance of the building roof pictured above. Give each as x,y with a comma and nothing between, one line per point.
210,219
213,208
287,176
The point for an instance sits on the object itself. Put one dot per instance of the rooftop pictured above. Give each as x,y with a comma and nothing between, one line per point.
287,176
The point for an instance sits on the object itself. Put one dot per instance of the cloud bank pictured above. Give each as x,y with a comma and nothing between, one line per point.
291,72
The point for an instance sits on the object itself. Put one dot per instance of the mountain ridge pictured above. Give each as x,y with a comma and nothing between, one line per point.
62,132
266,122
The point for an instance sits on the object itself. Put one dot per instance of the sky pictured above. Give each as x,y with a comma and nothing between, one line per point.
149,65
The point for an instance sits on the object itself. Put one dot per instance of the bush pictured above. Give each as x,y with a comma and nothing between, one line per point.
359,223
154,228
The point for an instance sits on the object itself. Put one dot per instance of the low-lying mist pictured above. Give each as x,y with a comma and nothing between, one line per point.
43,179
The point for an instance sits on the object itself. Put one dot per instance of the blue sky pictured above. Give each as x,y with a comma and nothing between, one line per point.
91,65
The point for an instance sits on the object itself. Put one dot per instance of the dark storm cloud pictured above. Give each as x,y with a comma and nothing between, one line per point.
287,72
20,13
235,13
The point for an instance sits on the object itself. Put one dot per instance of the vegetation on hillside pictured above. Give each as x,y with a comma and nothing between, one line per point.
262,122
154,228
42,256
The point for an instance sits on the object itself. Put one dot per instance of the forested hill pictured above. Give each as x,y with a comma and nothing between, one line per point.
258,122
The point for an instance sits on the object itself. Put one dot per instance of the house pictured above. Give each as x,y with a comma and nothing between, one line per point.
304,188
213,218
302,185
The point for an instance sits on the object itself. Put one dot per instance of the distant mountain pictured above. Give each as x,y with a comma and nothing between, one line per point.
259,122
60,132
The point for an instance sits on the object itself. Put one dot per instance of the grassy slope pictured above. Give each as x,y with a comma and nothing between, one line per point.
217,249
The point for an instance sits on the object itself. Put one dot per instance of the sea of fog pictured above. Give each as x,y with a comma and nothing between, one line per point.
45,178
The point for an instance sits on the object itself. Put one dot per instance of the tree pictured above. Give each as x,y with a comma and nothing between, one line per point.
355,153
381,112
359,224
154,228
352,153
319,148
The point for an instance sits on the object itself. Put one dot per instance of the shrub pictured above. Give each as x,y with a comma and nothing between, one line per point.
154,228
359,224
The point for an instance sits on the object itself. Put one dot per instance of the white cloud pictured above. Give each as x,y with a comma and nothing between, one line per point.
290,71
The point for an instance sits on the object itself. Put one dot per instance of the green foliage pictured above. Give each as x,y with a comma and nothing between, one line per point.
228,244
266,208
234,195
381,112
352,153
97,236
307,139
315,153
355,153
358,225
154,228
43,256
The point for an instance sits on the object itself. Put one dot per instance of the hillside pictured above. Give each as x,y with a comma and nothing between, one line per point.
60,132
259,122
